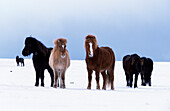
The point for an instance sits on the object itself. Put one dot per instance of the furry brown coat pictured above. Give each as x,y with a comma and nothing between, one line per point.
59,61
99,60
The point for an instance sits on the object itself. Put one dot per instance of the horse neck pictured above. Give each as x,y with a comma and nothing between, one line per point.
41,49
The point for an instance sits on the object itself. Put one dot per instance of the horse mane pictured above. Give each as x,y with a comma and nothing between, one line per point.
90,38
56,42
41,48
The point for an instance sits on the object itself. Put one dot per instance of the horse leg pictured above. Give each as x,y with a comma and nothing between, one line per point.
23,64
112,81
111,74
17,63
104,80
55,78
42,78
37,77
97,80
149,79
136,80
51,75
127,79
143,79
89,78
62,80
131,79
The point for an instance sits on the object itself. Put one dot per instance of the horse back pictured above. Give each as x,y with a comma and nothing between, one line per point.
106,57
109,51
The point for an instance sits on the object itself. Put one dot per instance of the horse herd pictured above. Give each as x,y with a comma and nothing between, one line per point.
99,59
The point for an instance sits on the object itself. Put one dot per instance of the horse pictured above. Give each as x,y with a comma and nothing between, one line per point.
40,58
146,70
59,61
100,60
131,66
20,60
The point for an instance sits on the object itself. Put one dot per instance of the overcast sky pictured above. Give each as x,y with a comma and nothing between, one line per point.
127,26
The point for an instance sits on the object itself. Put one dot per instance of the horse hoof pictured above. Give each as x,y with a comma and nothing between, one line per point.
98,88
63,87
52,84
36,84
143,84
89,88
112,88
104,88
55,86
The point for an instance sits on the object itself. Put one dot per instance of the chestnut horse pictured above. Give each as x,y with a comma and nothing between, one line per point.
99,60
59,61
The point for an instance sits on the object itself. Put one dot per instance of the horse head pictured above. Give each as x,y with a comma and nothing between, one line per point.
29,46
90,45
61,46
17,57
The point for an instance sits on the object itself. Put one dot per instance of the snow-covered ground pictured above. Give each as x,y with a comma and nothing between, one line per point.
18,93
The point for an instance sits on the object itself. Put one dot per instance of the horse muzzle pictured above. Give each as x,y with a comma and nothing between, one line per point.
63,55
90,55
25,53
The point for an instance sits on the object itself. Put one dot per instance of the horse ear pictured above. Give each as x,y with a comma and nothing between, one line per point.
56,41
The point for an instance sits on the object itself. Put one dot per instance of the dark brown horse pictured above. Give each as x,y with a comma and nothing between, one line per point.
99,60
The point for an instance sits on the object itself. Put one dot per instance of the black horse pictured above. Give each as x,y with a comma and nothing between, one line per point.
20,60
146,70
131,65
40,58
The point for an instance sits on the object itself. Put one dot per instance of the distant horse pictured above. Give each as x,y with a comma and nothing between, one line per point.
20,60
100,60
40,58
59,61
131,66
146,70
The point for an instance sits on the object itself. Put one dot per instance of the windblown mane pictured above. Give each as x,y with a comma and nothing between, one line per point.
41,48
91,38
60,40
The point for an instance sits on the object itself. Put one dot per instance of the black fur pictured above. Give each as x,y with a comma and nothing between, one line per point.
18,60
146,70
40,58
131,65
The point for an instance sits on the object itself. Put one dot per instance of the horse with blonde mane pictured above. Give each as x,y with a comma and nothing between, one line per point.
59,61
100,60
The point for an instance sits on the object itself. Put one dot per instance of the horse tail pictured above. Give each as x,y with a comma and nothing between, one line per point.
110,74
108,78
110,71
